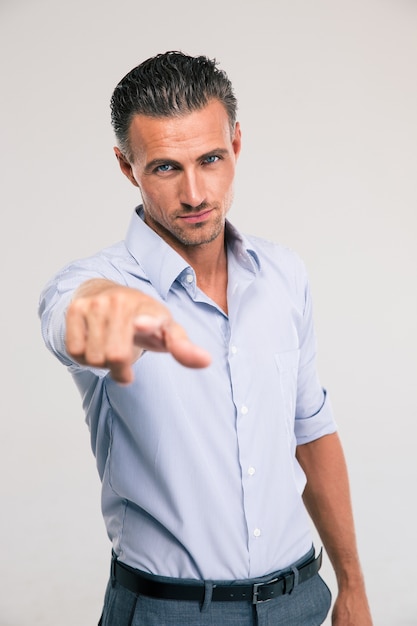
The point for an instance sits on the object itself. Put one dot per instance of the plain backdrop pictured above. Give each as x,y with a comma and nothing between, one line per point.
328,106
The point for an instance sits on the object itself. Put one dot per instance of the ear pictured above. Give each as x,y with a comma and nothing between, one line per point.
237,140
125,166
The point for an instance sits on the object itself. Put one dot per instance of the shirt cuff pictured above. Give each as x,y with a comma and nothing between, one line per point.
321,423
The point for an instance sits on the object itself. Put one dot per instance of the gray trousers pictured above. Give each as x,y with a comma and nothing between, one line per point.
307,605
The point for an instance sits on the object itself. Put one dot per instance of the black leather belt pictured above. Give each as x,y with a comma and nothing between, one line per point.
146,585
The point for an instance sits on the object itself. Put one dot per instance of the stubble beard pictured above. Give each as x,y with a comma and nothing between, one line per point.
189,235
200,233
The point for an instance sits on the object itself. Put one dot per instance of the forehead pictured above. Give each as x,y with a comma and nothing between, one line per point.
190,132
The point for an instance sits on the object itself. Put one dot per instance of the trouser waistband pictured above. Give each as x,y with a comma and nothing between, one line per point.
278,585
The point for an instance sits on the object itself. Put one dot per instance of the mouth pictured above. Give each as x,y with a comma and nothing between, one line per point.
195,218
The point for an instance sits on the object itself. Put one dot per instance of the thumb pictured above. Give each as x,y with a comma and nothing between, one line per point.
183,350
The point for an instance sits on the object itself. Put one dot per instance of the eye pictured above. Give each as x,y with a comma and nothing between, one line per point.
211,159
165,167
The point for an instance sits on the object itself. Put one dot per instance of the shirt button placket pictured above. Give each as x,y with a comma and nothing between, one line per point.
244,410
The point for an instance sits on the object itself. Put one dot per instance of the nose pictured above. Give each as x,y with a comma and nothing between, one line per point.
192,193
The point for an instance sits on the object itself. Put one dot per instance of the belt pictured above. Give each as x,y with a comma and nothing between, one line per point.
144,584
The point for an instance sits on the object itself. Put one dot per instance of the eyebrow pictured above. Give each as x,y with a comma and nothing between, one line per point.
157,162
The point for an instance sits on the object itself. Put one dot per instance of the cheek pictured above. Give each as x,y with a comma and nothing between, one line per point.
158,195
225,185
152,200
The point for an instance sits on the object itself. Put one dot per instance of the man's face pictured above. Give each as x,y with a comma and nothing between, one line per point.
184,167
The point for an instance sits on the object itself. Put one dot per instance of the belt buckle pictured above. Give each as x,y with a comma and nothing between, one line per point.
256,586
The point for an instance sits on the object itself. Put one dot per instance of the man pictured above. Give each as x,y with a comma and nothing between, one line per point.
203,449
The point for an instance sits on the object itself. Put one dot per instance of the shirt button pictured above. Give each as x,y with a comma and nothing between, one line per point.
189,278
257,532
244,410
251,471
233,350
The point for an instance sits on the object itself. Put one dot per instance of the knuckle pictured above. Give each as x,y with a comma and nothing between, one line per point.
118,356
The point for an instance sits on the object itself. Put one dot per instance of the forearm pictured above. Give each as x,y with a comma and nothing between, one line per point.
327,499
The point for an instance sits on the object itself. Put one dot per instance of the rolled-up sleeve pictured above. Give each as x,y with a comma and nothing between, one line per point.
317,425
314,416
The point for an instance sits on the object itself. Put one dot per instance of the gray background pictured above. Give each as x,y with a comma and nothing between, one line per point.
328,101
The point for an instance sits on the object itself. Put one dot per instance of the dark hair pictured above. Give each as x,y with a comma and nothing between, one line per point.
169,84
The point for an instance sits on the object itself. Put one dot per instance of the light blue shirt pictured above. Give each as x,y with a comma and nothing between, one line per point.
198,468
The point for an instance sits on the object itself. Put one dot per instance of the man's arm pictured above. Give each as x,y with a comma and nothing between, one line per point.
109,326
327,498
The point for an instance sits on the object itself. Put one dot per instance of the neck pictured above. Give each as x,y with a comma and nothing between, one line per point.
206,259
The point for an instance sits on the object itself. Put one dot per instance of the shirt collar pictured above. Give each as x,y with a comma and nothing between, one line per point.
162,265
242,249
